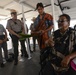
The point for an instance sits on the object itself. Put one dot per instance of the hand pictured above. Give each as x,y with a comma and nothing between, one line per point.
23,32
18,36
1,41
65,61
50,42
42,31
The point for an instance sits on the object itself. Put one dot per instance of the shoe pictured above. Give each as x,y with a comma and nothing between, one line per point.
2,65
29,58
10,60
31,51
15,63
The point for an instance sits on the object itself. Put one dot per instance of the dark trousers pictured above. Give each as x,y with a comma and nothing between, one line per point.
23,48
4,46
29,43
44,54
15,45
34,43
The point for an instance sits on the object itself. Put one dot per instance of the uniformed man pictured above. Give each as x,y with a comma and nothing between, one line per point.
15,26
3,44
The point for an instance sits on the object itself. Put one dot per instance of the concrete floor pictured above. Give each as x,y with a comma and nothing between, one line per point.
24,67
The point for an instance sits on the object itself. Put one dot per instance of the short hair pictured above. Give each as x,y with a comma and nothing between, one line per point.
39,5
13,13
66,15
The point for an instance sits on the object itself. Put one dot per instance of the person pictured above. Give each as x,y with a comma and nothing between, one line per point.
25,40
3,44
15,26
43,26
33,38
63,49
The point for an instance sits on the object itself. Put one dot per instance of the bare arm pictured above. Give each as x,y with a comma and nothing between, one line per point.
67,59
50,28
73,55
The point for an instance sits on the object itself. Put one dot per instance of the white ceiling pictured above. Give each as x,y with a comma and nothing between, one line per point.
66,6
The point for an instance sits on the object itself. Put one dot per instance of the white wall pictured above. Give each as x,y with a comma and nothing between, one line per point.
4,22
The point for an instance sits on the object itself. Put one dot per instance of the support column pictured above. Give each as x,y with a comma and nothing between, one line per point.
28,50
53,12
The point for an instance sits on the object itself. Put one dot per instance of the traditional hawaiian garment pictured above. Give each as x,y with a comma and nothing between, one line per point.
43,24
64,45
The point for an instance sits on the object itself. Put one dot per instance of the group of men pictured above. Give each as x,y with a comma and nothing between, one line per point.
57,50
14,26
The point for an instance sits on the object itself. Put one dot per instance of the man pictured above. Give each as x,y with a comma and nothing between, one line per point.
43,26
3,44
63,49
15,26
34,37
25,40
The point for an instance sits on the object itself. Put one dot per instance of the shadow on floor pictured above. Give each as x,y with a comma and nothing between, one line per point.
24,67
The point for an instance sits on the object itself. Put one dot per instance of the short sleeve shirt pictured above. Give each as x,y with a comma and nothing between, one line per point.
2,29
14,25
62,42
48,21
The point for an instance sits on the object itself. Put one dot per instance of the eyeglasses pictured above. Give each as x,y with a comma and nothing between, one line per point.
61,21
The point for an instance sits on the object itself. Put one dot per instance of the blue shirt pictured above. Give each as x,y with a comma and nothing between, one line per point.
48,23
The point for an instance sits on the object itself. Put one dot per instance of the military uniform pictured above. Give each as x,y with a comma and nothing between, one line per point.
16,26
3,45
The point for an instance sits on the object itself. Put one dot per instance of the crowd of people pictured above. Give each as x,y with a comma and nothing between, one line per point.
57,50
